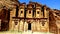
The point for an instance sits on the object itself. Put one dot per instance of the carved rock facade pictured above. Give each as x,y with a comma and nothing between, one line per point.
32,16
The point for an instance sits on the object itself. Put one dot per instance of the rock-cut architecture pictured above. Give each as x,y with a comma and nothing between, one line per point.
15,16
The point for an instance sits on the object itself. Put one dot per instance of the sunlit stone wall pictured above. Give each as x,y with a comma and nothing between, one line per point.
12,14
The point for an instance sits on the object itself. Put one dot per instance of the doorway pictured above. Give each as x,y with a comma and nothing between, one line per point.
29,26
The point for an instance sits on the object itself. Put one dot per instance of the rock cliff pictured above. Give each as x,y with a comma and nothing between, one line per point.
8,3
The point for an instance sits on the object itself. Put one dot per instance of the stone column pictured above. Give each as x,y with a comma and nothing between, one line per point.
16,26
33,26
47,26
12,26
25,26
12,14
45,12
21,25
42,14
38,26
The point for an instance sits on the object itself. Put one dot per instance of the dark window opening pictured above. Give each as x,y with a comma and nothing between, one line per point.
29,26
21,11
37,12
29,12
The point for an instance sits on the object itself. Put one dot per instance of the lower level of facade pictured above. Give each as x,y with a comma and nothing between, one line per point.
41,25
35,25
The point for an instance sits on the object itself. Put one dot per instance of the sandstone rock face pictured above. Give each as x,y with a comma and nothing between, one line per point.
54,20
8,3
5,7
54,15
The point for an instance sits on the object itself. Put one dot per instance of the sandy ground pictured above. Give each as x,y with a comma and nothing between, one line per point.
28,32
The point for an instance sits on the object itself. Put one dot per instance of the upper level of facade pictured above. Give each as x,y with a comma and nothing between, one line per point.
32,10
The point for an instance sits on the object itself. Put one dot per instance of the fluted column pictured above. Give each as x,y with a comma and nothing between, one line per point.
21,26
16,26
12,26
33,26
25,26
38,26
45,13
12,14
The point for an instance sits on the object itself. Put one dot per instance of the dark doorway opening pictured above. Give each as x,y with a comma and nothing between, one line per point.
29,26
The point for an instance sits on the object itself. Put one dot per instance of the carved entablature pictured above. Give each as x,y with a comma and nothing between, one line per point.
15,19
43,20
